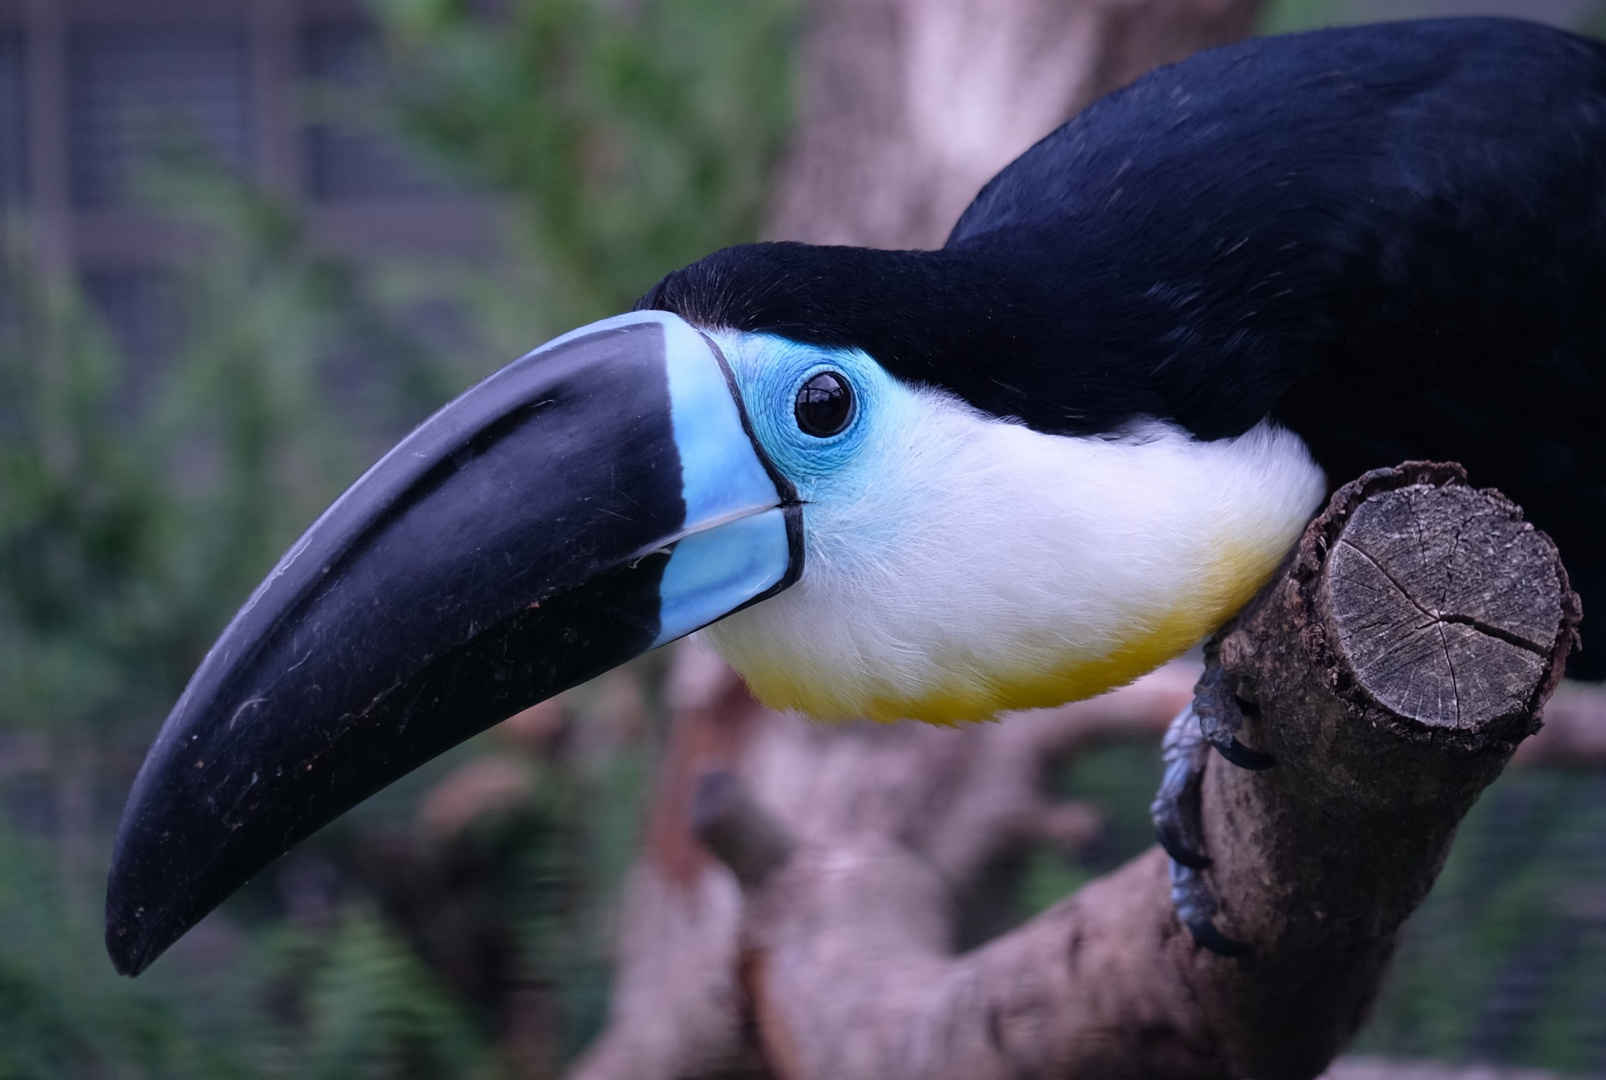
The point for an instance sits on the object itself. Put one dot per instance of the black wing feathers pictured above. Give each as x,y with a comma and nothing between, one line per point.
1191,246
1390,238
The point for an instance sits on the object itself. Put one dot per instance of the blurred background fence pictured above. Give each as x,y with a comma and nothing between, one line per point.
244,245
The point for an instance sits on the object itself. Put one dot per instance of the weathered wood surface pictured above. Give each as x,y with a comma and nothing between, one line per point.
1428,589
846,950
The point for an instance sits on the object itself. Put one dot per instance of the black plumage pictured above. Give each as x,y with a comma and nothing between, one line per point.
1392,239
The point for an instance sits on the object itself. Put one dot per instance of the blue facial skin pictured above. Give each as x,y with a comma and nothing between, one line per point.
770,370
716,570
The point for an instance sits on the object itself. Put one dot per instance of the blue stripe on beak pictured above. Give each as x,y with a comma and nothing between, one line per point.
741,545
715,572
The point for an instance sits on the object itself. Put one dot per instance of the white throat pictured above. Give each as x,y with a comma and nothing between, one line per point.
967,566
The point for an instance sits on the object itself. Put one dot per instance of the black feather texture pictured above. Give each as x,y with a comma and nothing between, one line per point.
1391,238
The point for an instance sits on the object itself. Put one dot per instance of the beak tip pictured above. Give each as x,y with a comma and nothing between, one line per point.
139,925
130,950
125,965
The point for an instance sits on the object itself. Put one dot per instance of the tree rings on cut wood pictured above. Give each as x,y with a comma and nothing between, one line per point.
1391,672
1439,603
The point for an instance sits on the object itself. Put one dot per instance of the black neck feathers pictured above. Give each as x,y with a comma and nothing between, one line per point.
991,329
1042,326
1282,228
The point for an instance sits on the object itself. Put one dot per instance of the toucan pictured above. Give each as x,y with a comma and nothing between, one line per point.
1015,471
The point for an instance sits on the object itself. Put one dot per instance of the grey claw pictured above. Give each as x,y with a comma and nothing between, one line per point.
1206,936
1173,836
1196,907
1229,747
1220,717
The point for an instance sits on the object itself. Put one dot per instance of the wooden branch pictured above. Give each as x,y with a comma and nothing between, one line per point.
959,798
1395,668
745,836
1392,671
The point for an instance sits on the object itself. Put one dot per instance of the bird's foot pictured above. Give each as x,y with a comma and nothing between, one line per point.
1196,907
1212,719
1175,809
1221,716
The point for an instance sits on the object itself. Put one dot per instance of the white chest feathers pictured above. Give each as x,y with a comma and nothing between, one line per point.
962,566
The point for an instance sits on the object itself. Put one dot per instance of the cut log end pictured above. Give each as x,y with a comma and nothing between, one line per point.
1392,671
1440,608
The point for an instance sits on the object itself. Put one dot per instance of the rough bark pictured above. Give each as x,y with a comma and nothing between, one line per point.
1395,668
1382,744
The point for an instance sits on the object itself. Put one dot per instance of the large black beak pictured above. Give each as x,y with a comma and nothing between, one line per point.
589,502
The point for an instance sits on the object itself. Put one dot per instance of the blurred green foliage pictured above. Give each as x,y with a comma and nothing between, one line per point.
138,507
1288,16
642,135
1507,959
141,502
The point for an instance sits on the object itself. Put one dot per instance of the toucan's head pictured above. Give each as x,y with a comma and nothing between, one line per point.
862,537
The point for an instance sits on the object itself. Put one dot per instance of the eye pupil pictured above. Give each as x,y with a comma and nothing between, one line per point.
824,405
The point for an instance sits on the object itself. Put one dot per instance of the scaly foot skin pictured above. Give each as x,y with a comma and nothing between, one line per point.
1175,809
1210,720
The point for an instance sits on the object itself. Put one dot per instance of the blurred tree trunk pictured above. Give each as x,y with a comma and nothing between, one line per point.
908,107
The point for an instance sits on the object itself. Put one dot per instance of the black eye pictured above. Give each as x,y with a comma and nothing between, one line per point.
824,405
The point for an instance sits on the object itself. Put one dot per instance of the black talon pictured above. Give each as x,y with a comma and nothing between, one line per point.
1206,936
1173,836
1196,908
1176,814
1228,746
1220,716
